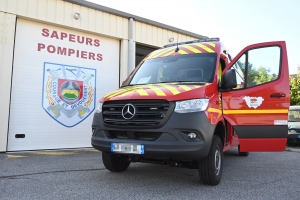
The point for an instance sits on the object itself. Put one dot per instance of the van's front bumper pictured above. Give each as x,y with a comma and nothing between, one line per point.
171,141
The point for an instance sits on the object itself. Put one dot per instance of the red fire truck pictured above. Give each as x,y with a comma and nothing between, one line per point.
187,103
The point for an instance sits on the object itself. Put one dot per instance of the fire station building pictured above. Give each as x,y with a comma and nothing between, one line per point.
58,58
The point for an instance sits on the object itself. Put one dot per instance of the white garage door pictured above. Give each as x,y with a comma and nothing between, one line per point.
59,75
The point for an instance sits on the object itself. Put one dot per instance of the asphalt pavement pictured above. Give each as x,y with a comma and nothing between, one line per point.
80,174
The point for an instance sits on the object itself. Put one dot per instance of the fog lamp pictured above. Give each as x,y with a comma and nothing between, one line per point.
192,135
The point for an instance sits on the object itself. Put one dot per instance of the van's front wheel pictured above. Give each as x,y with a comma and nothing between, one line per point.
211,168
115,162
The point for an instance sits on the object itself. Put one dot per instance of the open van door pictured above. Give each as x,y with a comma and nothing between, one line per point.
257,106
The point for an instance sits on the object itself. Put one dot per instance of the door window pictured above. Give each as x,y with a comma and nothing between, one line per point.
257,66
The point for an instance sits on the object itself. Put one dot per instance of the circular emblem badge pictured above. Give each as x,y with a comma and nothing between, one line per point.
128,111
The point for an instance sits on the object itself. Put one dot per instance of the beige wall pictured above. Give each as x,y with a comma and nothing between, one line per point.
7,32
61,13
155,36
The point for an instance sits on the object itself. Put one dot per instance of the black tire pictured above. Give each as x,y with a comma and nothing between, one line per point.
115,162
211,168
243,153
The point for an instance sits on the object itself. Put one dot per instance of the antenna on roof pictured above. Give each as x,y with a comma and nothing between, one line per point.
177,49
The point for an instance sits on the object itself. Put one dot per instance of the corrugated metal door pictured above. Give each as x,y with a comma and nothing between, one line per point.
58,77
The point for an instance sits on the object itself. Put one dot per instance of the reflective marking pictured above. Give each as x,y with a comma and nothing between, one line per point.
126,93
114,92
157,90
278,111
205,48
142,92
211,44
172,89
182,52
171,50
161,54
156,53
192,49
170,53
186,88
215,110
109,93
120,92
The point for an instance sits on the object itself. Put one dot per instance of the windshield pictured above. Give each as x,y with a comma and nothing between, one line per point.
294,116
182,68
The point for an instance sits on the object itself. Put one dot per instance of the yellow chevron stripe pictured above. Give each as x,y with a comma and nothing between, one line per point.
205,48
127,93
197,86
161,54
172,89
137,89
277,111
211,44
153,54
186,88
157,90
192,49
113,92
182,52
142,92
168,54
120,92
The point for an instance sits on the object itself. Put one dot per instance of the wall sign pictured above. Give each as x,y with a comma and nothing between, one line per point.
68,93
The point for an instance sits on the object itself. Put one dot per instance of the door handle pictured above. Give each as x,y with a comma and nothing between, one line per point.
277,95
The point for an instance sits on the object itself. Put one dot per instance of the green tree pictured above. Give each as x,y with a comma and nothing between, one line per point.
263,75
295,88
257,76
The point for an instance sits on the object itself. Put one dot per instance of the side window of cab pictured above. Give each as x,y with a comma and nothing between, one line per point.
257,67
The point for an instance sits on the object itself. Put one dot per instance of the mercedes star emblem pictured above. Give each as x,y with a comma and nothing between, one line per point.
128,111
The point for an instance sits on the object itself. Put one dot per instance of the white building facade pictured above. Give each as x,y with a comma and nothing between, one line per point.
57,59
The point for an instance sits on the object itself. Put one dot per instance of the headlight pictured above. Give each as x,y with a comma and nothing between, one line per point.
98,108
194,105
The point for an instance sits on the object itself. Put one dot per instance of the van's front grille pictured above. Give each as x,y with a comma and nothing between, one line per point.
148,136
142,113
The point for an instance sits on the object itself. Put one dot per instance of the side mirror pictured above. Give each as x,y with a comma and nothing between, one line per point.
229,80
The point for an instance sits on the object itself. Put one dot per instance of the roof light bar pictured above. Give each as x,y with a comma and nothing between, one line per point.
193,41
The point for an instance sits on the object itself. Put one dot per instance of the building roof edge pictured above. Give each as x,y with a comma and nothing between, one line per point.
135,17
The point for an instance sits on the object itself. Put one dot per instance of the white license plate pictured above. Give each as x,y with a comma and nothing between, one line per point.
127,148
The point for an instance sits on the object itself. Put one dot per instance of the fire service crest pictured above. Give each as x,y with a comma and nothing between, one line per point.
68,93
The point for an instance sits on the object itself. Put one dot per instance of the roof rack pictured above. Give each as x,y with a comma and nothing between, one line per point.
193,41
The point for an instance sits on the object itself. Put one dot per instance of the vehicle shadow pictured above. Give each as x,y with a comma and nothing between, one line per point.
139,174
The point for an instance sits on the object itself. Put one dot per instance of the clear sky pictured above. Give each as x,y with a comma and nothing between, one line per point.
238,23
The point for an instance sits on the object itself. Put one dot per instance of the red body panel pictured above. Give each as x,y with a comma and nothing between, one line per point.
263,145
